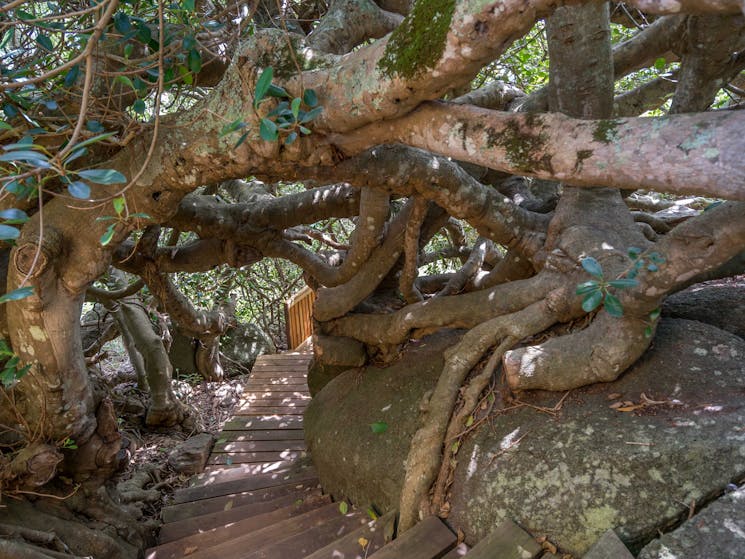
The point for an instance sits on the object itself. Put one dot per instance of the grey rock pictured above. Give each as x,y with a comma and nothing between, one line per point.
570,476
721,303
191,456
609,546
244,343
718,532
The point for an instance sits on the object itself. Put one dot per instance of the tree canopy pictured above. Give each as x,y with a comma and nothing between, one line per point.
526,146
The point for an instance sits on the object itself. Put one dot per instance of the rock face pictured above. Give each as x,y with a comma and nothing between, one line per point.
191,456
570,475
717,531
244,343
351,459
719,303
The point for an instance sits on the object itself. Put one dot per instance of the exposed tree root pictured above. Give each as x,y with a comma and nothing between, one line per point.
423,461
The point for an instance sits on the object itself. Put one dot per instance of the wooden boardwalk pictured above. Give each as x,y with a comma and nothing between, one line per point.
259,496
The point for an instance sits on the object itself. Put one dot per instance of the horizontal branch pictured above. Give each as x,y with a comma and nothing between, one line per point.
678,154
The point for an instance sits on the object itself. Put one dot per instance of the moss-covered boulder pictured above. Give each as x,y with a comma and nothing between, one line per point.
570,474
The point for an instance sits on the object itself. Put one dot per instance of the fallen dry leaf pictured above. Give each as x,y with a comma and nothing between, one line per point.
614,396
363,542
191,549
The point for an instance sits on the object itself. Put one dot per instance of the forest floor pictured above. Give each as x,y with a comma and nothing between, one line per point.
211,404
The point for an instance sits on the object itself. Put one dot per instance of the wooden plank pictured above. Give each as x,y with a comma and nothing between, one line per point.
239,499
430,539
262,410
262,435
208,486
264,422
609,546
253,457
507,541
227,472
194,524
457,552
277,381
209,537
373,534
258,446
240,547
275,392
300,545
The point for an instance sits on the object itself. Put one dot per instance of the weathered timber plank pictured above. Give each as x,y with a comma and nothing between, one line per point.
209,486
372,534
253,457
609,546
264,422
258,446
507,541
194,524
263,410
240,547
262,435
430,539
190,509
209,537
300,545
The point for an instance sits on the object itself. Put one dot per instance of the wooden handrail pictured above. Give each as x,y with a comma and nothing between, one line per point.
299,315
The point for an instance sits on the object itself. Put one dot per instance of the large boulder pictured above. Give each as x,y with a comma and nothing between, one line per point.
721,303
569,474
716,532
244,343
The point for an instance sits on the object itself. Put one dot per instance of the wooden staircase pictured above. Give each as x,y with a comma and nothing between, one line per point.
259,496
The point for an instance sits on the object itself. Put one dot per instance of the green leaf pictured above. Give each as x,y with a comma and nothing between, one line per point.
141,215
108,235
310,98
17,294
623,283
27,156
592,267
107,218
139,106
310,115
8,232
241,140
379,427
372,514
72,75
660,63
652,267
7,36
657,258
118,204
634,252
122,22
469,421
5,126
655,314
262,85
232,127
103,176
304,130
613,306
128,50
295,106
189,5
124,80
648,332
343,507
592,300
94,140
45,42
291,138
79,189
94,126
195,61
268,130
14,215
277,91
587,287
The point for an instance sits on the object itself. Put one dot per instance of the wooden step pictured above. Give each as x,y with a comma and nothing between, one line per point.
230,458
195,524
507,541
264,422
277,372
182,511
257,446
242,547
227,472
361,543
429,539
301,545
212,488
263,410
209,537
262,435
276,380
